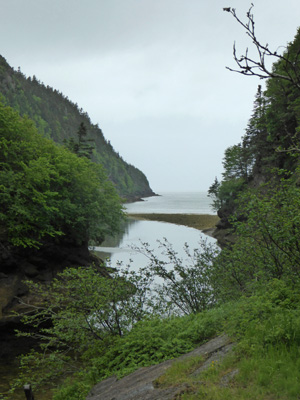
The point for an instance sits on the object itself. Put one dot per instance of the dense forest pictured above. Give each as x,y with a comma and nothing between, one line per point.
104,326
269,149
58,118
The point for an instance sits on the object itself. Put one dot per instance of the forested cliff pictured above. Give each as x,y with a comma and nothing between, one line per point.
58,118
268,154
60,182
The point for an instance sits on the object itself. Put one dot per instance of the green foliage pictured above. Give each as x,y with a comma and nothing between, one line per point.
78,317
225,193
213,193
257,141
272,374
237,162
82,148
272,135
270,317
265,324
47,191
85,307
179,372
265,363
267,237
112,325
151,341
72,391
57,118
185,286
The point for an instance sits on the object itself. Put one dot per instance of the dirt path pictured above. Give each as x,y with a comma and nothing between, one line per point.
140,384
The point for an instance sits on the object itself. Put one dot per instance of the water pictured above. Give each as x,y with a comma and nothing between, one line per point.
120,249
173,203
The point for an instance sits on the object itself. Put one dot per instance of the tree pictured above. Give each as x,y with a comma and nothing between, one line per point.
82,148
213,193
266,242
184,285
237,162
256,136
46,191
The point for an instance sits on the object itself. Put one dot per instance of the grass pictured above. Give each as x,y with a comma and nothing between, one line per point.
268,375
266,362
179,372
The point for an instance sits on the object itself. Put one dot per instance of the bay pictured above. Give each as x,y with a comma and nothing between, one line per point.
173,203
122,248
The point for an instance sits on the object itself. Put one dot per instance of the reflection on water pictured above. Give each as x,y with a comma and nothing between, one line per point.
120,249
115,241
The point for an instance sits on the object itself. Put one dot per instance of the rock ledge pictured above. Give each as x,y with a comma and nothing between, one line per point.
140,384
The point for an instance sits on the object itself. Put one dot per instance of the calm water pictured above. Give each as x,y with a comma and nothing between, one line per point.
173,203
135,232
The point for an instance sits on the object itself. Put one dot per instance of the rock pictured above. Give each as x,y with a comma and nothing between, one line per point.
18,264
30,270
140,385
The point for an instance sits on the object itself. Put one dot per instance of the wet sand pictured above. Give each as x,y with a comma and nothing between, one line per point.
203,222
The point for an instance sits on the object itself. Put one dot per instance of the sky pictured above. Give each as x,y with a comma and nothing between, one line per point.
151,73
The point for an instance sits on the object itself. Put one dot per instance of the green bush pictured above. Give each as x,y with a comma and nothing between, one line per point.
46,191
268,317
267,236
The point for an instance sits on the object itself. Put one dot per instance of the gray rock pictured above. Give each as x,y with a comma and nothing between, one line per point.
140,384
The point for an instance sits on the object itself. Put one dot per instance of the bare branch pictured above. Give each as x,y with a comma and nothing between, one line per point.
252,67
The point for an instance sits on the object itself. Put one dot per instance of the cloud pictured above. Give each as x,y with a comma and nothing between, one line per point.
150,72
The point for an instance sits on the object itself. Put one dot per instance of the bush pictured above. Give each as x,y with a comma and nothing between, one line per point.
46,191
267,232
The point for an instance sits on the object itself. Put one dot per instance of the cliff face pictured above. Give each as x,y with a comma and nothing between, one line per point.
18,265
59,119
41,265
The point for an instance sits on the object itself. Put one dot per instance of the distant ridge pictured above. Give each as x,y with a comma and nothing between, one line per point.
58,118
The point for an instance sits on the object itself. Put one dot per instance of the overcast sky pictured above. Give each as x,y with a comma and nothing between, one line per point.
151,73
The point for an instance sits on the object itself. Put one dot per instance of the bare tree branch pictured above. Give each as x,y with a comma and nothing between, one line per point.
257,67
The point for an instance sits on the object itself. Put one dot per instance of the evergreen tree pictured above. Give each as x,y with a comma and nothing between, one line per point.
82,148
237,162
256,137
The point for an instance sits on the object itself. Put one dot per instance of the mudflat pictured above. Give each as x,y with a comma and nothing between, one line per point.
202,222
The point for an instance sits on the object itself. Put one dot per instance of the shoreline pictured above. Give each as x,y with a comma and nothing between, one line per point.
203,222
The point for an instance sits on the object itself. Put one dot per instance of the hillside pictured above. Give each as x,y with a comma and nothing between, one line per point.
59,119
269,150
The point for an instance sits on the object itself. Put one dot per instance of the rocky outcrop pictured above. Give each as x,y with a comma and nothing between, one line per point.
18,265
141,384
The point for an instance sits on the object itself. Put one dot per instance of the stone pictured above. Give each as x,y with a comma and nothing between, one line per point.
140,385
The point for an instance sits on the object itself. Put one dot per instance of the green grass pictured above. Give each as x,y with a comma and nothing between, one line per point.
268,375
266,362
179,372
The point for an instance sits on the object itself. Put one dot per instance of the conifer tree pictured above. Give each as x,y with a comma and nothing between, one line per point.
82,148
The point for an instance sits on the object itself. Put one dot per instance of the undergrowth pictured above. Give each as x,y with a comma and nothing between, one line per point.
264,365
